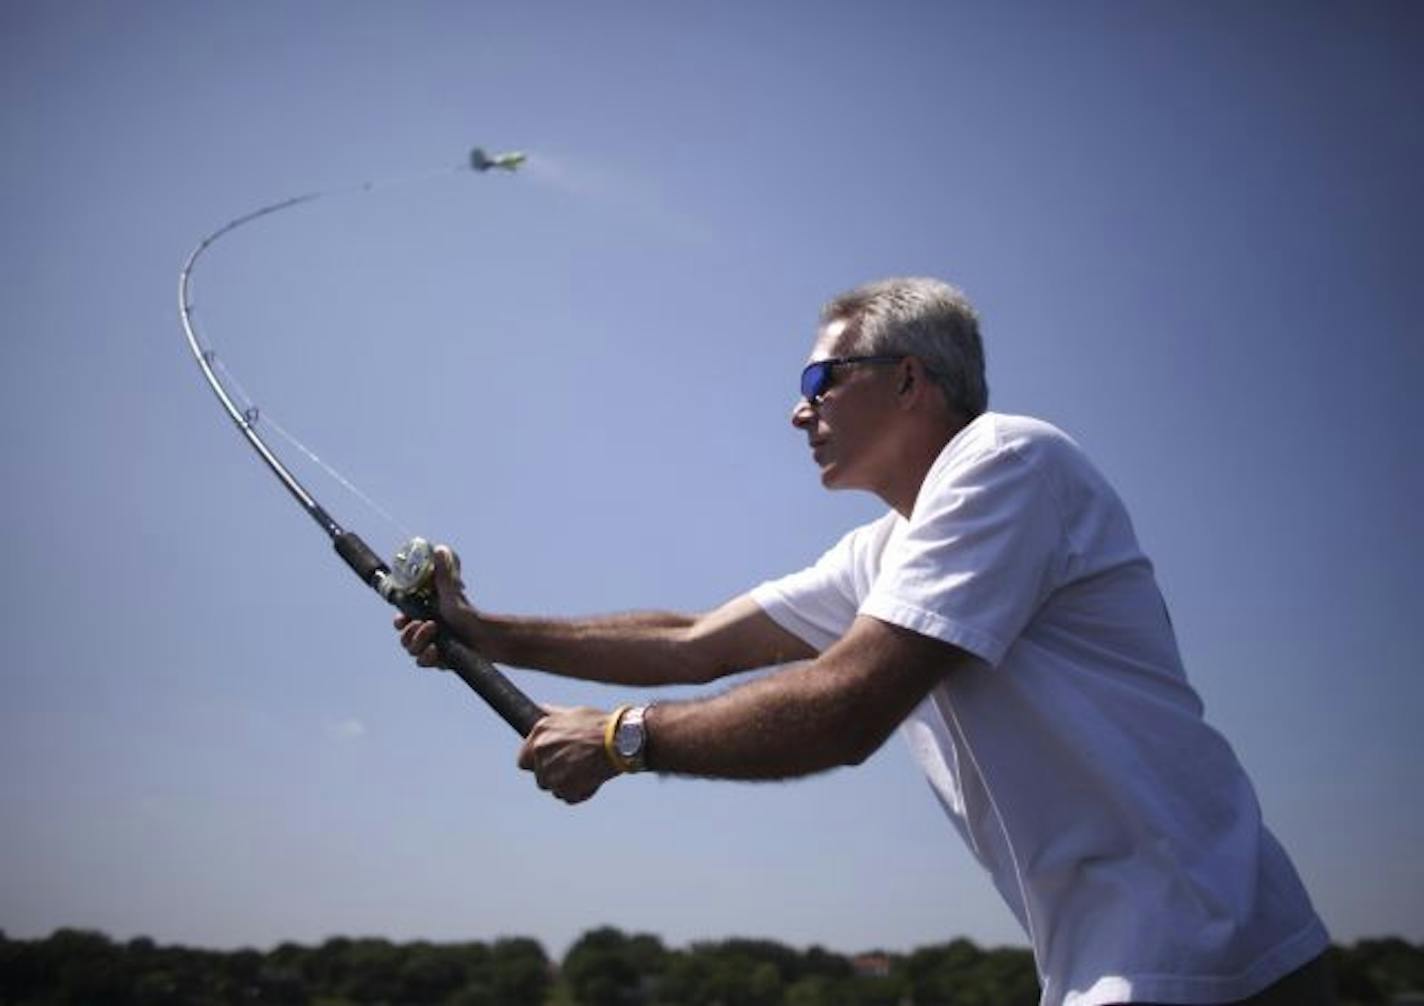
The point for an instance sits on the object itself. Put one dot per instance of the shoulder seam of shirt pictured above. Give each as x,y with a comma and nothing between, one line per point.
1036,468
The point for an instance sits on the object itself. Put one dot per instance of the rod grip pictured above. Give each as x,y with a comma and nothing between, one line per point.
501,694
358,555
516,708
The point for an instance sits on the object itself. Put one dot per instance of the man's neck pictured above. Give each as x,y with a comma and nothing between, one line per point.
914,462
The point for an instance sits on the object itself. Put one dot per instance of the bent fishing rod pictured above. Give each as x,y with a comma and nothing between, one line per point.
407,583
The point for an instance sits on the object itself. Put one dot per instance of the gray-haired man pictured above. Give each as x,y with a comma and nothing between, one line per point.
1002,614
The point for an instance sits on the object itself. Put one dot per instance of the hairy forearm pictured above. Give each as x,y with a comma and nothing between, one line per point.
638,649
835,710
795,722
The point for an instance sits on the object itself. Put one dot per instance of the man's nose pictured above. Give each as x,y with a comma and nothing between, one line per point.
803,414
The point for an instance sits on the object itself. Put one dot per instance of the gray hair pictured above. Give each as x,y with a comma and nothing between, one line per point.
924,318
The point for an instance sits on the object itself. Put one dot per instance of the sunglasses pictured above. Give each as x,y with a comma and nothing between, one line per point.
816,378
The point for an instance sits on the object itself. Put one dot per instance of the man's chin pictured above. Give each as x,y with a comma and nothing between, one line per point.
836,477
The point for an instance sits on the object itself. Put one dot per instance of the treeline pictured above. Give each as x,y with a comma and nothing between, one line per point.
606,967
77,967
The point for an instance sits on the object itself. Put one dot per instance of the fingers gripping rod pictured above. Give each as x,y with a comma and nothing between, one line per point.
516,708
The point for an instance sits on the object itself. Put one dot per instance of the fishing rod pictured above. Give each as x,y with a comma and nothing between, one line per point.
407,583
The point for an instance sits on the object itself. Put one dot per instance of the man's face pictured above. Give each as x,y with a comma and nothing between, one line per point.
847,430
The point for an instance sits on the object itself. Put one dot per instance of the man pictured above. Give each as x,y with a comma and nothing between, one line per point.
1003,614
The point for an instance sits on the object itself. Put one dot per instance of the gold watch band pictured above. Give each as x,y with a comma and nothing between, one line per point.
610,730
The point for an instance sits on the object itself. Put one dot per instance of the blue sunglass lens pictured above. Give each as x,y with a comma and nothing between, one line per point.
814,380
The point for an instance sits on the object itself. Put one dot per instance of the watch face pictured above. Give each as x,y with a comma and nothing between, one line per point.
628,740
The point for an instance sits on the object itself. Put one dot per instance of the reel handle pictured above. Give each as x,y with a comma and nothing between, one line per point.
474,669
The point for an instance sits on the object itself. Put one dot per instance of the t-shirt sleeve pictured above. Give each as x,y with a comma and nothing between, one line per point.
982,551
818,603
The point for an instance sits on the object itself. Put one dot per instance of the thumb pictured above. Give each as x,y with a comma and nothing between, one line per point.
448,589
447,571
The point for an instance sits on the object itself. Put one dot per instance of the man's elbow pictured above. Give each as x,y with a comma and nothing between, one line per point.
703,652
859,749
696,659
861,736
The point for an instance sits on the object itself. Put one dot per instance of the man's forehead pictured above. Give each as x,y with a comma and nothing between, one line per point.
828,338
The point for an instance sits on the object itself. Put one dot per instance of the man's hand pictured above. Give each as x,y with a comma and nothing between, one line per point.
455,610
565,753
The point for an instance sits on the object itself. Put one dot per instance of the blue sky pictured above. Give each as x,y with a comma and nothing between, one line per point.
1193,231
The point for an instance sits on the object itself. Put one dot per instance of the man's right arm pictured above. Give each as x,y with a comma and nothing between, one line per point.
648,648
639,649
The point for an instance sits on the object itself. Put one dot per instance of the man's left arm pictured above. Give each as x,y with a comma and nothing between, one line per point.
835,710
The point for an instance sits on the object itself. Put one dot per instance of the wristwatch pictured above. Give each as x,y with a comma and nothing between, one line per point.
630,739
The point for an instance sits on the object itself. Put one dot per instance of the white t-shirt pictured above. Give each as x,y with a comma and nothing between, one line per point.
1072,755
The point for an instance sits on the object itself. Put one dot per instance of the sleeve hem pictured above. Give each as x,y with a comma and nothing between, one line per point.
983,645
775,607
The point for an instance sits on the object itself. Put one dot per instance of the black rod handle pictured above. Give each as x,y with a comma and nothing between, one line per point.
516,708
474,669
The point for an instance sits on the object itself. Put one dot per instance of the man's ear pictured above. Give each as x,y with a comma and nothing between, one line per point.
911,380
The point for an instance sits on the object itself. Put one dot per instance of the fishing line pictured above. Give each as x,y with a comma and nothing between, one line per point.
261,416
407,583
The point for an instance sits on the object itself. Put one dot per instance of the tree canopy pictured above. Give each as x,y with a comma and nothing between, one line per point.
604,967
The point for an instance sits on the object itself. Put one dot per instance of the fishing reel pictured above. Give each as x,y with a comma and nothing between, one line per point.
413,570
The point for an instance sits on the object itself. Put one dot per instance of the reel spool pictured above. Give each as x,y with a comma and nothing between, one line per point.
413,569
